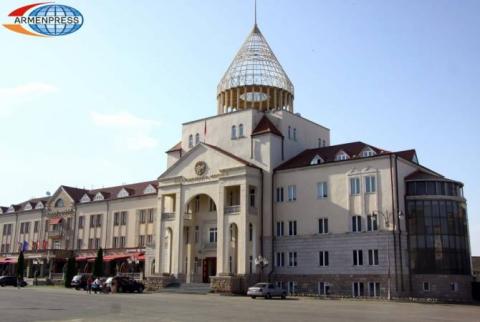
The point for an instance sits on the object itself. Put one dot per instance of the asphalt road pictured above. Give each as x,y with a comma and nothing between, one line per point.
58,304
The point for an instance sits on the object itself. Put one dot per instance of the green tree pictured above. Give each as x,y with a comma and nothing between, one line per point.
70,271
98,268
20,265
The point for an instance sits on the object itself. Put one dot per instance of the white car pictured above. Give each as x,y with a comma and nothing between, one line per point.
267,290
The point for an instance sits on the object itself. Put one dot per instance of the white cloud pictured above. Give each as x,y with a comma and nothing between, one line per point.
11,96
131,131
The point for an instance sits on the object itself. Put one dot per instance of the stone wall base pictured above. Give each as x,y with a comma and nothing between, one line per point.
155,283
233,284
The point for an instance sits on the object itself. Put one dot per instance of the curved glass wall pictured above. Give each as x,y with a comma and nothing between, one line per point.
437,226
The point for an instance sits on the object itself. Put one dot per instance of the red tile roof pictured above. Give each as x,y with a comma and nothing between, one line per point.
328,154
266,126
419,175
176,147
407,154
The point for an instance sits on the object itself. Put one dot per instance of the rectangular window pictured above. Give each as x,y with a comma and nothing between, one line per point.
354,186
116,219
115,242
323,226
99,221
454,287
141,241
150,215
322,190
124,218
373,257
356,224
358,289
280,259
292,228
357,257
213,235
81,222
211,205
149,240
292,259
370,184
79,243
291,287
122,242
90,243
373,289
250,264
292,193
197,234
252,197
97,243
92,221
35,226
280,228
426,286
142,218
279,194
372,222
323,258
323,288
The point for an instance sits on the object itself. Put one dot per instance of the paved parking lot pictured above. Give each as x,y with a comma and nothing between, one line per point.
58,304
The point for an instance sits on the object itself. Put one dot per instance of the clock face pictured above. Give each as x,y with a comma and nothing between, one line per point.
200,168
254,97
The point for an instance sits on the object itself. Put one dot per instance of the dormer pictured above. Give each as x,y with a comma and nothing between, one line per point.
39,205
367,152
341,155
317,160
99,197
123,193
149,189
85,198
28,206
1,210
11,209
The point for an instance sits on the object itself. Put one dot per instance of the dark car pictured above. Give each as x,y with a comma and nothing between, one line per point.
10,281
127,285
80,281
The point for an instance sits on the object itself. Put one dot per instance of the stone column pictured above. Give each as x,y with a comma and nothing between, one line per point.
220,229
242,257
177,247
159,234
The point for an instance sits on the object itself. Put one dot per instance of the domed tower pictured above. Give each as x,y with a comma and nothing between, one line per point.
255,79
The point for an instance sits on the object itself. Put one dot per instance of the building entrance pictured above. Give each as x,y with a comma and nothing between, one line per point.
209,268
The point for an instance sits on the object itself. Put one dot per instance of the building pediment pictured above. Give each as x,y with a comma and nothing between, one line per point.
203,161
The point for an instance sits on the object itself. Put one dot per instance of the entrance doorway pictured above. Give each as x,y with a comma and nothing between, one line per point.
209,268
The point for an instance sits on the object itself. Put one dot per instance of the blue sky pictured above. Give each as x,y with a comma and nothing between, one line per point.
99,107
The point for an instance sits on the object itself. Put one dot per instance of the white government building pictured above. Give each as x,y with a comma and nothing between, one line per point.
257,192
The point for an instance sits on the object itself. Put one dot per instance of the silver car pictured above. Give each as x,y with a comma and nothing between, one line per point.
267,290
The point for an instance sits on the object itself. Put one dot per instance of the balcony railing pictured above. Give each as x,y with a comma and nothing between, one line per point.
188,216
210,245
232,209
55,233
168,216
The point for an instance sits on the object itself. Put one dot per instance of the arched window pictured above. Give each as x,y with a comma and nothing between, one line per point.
234,132
190,141
240,130
197,138
295,134
59,203
289,132
250,232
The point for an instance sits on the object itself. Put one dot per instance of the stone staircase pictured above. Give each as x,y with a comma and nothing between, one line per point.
187,288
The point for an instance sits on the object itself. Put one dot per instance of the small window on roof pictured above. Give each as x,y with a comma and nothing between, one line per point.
98,197
368,152
28,206
415,159
317,160
85,198
11,209
59,203
123,193
149,189
341,156
39,205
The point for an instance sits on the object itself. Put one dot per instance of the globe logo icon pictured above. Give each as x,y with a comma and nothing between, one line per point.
56,20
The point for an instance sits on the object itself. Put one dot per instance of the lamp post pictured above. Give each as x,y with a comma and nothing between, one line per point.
386,217
262,262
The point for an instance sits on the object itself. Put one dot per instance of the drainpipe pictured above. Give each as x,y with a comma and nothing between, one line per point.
272,270
261,211
394,213
397,215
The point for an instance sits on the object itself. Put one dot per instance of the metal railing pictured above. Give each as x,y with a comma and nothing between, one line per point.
168,216
232,209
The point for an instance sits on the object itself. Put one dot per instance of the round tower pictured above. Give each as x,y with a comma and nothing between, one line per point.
255,79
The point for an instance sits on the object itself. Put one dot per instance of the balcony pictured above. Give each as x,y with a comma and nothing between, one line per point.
210,246
232,210
168,216
55,233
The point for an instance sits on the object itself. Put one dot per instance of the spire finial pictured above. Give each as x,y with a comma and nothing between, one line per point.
255,12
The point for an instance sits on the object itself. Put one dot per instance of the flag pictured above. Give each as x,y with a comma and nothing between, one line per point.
45,244
25,246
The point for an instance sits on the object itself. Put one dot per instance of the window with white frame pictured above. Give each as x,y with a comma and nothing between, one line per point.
240,130
323,258
291,287
370,184
368,153
295,134
279,194
123,241
356,224
354,186
373,289
150,239
292,192
316,160
190,141
292,228
358,289
81,222
454,287
151,216
213,235
323,226
280,259
372,222
373,257
341,156
426,286
292,259
280,228
197,138
323,288
357,257
234,132
322,190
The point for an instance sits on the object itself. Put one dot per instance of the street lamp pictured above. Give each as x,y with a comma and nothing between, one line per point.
386,218
262,262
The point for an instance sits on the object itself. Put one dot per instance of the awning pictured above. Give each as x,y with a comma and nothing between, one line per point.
110,258
83,258
8,260
55,220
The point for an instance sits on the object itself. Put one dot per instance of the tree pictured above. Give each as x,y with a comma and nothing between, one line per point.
98,268
70,271
20,265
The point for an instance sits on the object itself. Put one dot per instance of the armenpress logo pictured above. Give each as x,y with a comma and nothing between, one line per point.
45,19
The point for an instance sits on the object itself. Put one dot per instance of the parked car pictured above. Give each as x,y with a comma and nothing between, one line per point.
80,281
11,281
125,284
267,290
